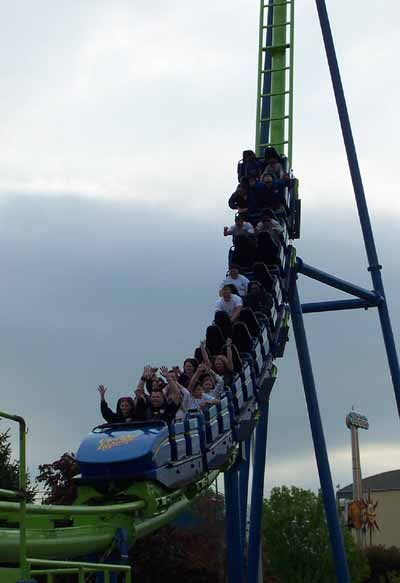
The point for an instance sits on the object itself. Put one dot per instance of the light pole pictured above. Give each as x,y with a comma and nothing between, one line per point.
354,422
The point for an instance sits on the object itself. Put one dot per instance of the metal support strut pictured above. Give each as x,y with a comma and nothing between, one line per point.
321,455
257,495
233,526
374,266
244,487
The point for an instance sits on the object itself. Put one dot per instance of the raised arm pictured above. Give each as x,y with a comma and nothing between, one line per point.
201,369
140,394
229,354
102,392
108,414
204,354
173,390
149,373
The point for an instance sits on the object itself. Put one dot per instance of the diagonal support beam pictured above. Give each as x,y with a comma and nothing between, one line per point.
374,266
321,455
257,495
334,306
244,487
233,526
322,276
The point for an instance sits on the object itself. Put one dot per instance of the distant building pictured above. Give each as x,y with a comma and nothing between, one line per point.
385,490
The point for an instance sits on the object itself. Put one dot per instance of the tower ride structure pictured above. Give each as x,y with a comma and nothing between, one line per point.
138,477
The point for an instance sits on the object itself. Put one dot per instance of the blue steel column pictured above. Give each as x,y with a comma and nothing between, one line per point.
328,495
244,488
233,526
257,495
374,266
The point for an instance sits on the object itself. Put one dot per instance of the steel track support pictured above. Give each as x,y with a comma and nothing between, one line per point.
373,262
335,305
257,495
233,526
328,494
336,282
266,88
244,487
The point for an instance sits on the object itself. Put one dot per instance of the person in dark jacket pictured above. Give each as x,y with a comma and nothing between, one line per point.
239,200
249,164
271,192
156,406
258,299
125,411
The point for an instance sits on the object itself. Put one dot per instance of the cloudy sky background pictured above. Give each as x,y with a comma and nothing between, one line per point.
120,127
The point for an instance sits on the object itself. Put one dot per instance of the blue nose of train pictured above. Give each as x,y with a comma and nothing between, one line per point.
123,452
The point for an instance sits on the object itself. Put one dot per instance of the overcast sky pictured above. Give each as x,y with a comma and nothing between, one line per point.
120,127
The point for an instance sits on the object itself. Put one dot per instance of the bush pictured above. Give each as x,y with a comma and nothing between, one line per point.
384,564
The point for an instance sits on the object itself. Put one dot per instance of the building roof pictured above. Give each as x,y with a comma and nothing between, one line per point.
378,482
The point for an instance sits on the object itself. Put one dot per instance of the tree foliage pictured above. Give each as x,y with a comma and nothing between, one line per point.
9,468
297,540
194,553
56,478
384,564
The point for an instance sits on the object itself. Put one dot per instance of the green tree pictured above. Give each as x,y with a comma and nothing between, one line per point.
297,541
9,468
191,550
56,479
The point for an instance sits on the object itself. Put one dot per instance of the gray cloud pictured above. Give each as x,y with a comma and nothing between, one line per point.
99,95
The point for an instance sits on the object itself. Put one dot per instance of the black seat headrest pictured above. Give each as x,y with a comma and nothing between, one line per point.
222,320
242,337
214,339
248,317
263,275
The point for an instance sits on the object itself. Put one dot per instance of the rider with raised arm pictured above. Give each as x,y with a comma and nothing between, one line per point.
156,406
182,392
223,365
213,383
241,228
125,411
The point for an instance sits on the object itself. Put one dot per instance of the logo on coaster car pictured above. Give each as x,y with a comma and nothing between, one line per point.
111,442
